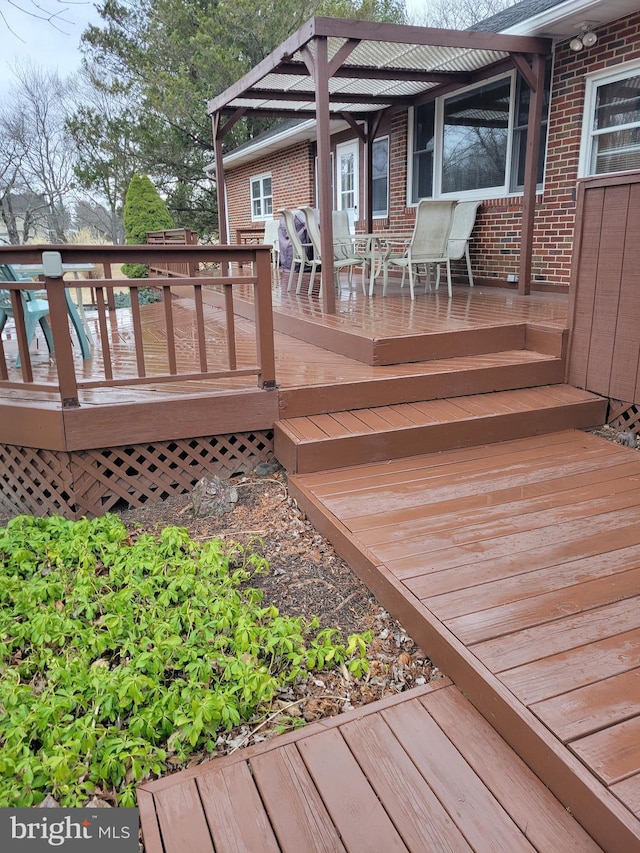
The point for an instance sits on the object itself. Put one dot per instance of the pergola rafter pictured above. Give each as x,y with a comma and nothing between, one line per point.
359,71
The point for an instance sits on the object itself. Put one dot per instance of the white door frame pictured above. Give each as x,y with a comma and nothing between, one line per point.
348,198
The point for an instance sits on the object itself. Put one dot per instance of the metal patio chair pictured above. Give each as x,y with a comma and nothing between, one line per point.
300,254
272,239
428,246
464,218
345,249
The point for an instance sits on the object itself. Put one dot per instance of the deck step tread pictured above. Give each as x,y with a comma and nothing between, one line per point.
336,439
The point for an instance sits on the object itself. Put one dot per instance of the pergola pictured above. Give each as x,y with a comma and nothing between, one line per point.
360,71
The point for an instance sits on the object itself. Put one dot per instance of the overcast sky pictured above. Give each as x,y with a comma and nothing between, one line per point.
25,37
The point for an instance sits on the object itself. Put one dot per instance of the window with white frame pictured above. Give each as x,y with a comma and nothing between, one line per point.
611,130
380,177
261,197
473,142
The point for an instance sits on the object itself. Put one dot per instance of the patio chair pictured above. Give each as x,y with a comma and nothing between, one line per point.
35,310
300,256
428,246
271,238
345,253
313,232
464,218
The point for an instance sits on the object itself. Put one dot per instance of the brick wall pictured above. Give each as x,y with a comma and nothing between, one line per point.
292,179
495,249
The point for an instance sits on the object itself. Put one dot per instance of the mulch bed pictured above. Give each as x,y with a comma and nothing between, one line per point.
306,578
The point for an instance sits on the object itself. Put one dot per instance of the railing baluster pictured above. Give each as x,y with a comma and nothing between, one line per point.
200,327
4,373
231,325
21,336
137,330
104,332
171,337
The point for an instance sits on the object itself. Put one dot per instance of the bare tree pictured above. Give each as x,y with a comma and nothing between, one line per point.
56,12
456,14
105,131
41,150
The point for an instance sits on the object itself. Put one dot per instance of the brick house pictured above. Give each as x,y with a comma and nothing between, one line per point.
591,125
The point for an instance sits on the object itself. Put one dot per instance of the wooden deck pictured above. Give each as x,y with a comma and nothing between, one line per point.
393,329
516,566
422,771
312,377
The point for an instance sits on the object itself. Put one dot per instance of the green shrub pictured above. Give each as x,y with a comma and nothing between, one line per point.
144,211
146,295
120,652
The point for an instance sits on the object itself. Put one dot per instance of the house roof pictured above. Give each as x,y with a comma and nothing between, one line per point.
557,19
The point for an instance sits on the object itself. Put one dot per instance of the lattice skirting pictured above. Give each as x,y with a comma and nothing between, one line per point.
92,482
624,416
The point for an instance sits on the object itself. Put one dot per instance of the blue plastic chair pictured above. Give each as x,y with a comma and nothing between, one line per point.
35,310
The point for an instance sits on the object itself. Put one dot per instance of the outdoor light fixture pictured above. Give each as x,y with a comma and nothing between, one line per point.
587,38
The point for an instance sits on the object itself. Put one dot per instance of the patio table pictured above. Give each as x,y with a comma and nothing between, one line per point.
376,248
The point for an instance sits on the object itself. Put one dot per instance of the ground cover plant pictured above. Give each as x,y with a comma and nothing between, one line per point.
123,652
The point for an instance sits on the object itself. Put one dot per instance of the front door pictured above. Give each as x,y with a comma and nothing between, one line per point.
347,178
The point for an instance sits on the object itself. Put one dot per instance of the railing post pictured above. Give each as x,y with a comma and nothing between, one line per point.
54,284
264,320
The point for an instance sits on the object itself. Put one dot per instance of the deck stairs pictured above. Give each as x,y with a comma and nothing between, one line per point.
442,420
443,403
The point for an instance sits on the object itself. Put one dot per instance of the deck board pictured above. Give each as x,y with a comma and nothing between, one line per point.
418,771
521,568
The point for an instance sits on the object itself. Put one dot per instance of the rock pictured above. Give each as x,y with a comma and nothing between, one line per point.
49,803
263,469
213,496
626,439
97,803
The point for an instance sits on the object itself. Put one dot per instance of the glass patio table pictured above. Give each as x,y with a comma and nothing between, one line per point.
375,248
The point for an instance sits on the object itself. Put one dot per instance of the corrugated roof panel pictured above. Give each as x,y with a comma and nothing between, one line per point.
297,106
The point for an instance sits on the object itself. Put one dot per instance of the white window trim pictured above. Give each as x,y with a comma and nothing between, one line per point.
379,139
592,82
263,215
503,191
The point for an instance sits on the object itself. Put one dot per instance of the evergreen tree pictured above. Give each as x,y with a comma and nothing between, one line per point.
144,211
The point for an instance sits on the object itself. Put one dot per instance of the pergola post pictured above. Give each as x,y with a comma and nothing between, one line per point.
536,100
223,231
321,79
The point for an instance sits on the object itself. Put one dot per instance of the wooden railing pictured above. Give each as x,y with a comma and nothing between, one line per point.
71,378
173,237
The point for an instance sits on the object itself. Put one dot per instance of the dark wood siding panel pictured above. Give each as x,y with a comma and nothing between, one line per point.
605,343
607,291
585,287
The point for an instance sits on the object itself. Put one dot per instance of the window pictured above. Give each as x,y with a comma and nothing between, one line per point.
261,197
473,142
611,132
424,124
474,138
380,177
